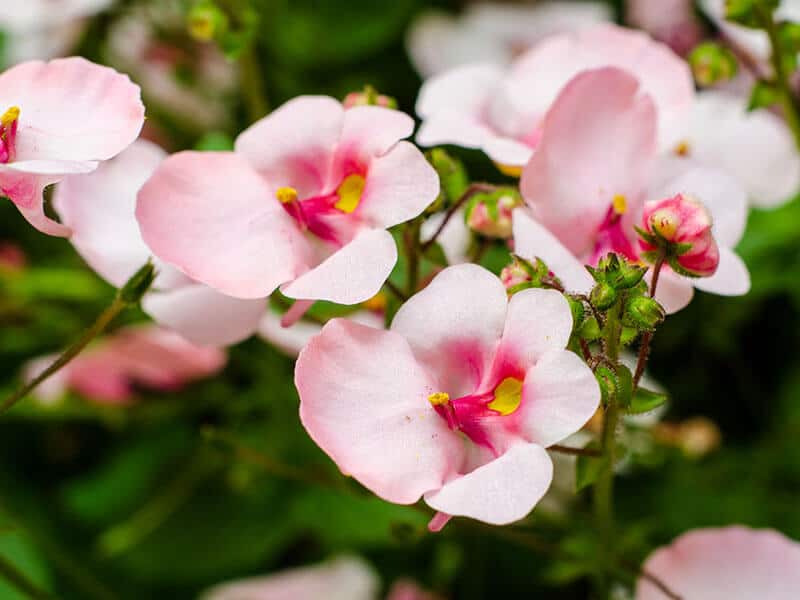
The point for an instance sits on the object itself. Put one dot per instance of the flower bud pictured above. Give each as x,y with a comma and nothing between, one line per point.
452,176
603,295
515,275
578,311
679,228
643,313
490,214
206,21
369,96
712,64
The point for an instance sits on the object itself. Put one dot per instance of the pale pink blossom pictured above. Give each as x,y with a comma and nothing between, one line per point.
43,29
456,402
495,32
502,111
754,147
303,203
100,210
730,563
586,188
673,22
60,118
681,220
110,370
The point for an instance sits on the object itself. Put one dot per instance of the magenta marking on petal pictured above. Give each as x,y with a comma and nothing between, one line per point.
612,238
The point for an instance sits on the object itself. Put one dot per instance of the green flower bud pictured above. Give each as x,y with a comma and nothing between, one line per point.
578,311
138,284
603,295
712,63
206,21
643,312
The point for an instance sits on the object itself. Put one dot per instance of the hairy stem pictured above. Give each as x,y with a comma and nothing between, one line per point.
644,348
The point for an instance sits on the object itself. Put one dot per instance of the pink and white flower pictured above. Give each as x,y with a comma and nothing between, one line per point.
60,118
755,147
456,402
112,369
502,111
730,563
44,29
586,188
100,208
304,203
437,41
673,22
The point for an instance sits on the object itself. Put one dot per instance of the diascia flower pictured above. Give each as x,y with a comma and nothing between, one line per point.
501,111
456,402
60,118
304,201
586,188
146,356
100,207
731,563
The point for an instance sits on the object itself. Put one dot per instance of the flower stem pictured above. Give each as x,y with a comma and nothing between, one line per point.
644,348
253,86
474,188
20,581
780,75
413,252
126,296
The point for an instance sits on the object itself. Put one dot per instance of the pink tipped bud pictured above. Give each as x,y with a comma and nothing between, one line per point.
368,97
514,275
681,228
491,215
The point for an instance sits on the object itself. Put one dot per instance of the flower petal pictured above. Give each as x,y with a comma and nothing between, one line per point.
25,191
730,563
71,109
370,131
293,145
731,279
353,274
99,208
532,240
500,492
559,396
213,217
363,399
674,292
399,186
609,154
203,315
454,325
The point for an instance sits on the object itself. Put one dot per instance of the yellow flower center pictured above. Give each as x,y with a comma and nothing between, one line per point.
509,170
11,115
286,195
682,148
665,223
619,203
507,396
349,193
439,398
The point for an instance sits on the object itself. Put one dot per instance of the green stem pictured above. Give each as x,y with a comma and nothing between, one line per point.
253,86
20,581
603,491
413,252
644,348
781,76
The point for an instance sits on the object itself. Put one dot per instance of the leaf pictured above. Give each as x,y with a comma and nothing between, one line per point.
435,254
214,141
764,95
645,400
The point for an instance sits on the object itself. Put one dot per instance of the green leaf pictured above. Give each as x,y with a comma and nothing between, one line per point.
435,254
214,141
588,468
764,95
645,400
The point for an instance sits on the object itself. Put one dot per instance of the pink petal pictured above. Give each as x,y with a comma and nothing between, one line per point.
293,146
454,325
719,117
99,208
608,154
731,279
203,315
353,274
673,292
364,401
532,240
72,109
539,75
212,216
370,131
500,492
537,321
51,167
25,191
731,563
506,151
559,396
345,578
400,185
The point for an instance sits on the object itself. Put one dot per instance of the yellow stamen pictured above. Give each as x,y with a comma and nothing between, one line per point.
439,398
665,223
11,115
509,170
286,195
682,149
507,396
376,303
349,193
619,203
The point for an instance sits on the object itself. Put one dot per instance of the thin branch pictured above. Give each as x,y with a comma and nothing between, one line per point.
644,348
20,581
575,451
474,188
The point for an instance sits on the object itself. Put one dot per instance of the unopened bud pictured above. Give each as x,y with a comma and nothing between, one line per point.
643,313
205,21
515,275
452,175
138,284
369,96
578,311
679,229
712,64
490,214
603,295
695,437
